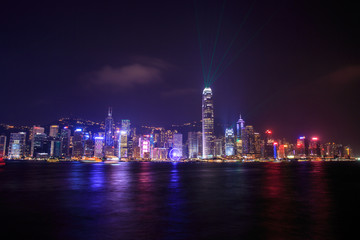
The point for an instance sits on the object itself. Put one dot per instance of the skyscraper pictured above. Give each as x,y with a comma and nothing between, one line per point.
125,126
40,147
54,130
194,143
65,142
248,140
99,144
78,143
240,126
17,145
229,142
207,123
177,142
123,144
109,134
144,144
35,130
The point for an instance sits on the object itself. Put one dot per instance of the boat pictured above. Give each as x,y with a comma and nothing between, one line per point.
111,160
90,160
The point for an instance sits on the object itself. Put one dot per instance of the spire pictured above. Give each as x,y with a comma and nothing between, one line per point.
110,112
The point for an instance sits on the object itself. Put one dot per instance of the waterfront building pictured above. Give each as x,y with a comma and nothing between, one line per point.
123,144
40,146
144,144
17,145
218,147
55,148
159,137
207,123
178,143
160,154
54,130
248,140
2,145
78,143
194,144
268,145
99,145
109,134
65,142
314,147
88,147
229,142
34,130
240,125
257,145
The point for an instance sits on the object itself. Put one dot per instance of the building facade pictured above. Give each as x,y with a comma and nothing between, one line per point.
207,123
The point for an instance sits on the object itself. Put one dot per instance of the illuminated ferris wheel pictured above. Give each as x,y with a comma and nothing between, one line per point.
175,154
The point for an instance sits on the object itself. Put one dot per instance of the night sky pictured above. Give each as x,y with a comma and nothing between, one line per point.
298,76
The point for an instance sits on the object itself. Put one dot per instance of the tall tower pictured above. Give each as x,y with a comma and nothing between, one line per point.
239,126
109,129
207,123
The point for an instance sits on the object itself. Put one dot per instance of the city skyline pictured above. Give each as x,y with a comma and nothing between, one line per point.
290,78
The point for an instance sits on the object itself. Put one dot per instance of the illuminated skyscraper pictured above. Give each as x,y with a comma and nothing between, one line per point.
248,140
144,144
218,147
54,130
207,123
123,144
240,125
194,144
109,134
177,142
109,129
125,125
229,142
78,144
99,144
257,145
268,145
40,147
35,130
65,142
17,145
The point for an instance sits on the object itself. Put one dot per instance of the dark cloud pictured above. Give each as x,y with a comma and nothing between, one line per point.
143,71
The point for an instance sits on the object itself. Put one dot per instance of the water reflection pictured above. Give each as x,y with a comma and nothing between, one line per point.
97,177
277,196
176,216
319,203
146,206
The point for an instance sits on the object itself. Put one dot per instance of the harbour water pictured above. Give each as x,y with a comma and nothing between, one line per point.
144,200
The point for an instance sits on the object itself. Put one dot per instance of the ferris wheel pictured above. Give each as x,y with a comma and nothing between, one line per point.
175,154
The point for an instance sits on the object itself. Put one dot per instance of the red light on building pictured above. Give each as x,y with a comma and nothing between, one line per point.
275,143
315,138
268,132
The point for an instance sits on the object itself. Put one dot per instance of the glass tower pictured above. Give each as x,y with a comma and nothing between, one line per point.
109,130
207,123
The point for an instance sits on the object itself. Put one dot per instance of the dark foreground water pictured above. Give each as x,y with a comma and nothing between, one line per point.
180,201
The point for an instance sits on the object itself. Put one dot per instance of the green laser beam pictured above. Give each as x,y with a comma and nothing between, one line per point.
244,47
216,39
199,40
233,40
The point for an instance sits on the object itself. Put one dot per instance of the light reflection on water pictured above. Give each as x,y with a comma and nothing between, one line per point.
177,200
